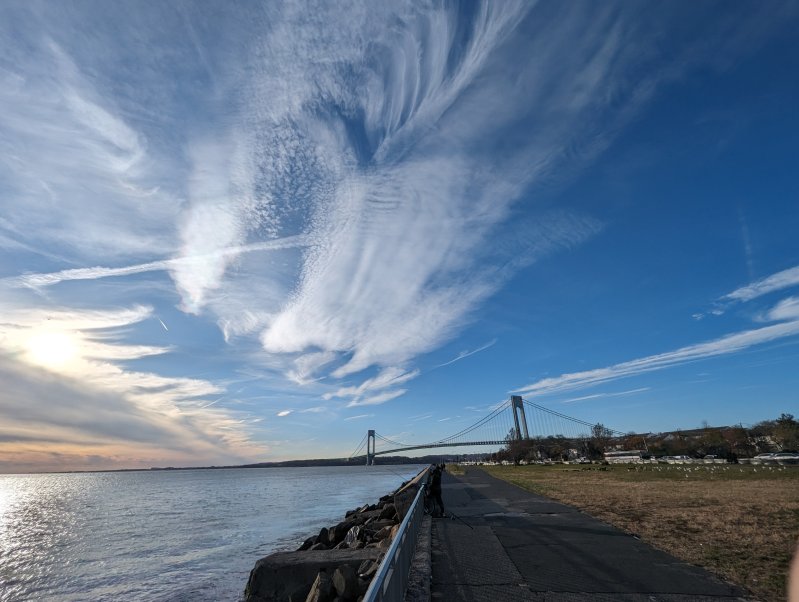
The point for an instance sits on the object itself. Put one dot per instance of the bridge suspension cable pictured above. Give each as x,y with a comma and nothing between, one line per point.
590,425
359,448
390,441
477,424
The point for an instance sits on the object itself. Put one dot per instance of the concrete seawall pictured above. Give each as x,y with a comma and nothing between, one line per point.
339,562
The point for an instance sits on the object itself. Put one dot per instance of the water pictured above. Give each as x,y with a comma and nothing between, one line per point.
166,535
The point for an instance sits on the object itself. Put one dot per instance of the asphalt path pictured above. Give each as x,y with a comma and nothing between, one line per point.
505,543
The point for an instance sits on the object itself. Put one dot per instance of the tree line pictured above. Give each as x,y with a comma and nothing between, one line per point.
731,442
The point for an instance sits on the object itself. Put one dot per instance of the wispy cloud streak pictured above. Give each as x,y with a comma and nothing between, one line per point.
776,282
722,346
373,400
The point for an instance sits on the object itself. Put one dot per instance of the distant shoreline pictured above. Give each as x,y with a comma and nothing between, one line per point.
383,461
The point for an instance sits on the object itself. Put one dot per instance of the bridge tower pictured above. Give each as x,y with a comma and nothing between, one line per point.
518,408
370,447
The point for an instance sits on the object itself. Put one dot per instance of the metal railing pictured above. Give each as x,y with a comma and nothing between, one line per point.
391,580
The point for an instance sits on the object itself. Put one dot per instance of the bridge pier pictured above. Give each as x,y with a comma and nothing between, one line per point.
370,447
517,403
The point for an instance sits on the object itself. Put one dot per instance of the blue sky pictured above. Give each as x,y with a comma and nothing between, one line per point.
236,232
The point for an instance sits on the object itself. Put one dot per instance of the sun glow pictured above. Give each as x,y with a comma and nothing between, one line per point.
53,349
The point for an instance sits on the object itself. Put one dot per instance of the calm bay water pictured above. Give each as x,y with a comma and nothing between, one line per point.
166,535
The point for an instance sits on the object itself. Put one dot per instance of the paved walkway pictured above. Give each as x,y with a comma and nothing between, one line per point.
524,546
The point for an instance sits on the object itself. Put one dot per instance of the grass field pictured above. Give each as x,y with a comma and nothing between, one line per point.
741,522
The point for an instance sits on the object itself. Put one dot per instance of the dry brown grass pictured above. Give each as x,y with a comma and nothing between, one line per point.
739,523
455,469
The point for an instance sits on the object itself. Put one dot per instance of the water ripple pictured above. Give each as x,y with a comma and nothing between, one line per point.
165,536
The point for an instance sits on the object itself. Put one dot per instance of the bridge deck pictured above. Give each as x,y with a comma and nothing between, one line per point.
528,547
435,445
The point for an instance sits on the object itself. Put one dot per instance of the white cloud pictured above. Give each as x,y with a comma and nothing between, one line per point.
284,413
308,364
787,309
728,344
406,216
73,168
394,267
775,282
363,394
779,281
373,400
212,222
388,377
63,378
46,414
72,319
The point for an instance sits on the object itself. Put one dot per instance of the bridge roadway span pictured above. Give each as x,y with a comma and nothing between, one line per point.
432,445
527,547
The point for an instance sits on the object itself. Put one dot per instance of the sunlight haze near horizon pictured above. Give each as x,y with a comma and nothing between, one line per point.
241,232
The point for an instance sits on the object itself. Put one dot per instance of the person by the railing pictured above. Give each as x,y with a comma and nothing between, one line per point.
435,490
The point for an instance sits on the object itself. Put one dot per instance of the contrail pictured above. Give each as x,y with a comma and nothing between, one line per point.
208,405
162,324
465,354
94,273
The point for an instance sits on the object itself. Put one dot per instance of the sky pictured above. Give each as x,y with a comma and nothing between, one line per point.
239,232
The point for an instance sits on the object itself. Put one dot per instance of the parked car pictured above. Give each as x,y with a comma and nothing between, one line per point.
766,459
786,458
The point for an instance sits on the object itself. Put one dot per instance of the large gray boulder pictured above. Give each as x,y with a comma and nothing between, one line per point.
322,589
345,580
365,516
336,535
388,511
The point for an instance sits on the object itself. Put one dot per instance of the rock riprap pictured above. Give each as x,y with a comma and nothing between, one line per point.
338,564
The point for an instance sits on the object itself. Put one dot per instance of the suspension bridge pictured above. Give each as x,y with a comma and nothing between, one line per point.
506,423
